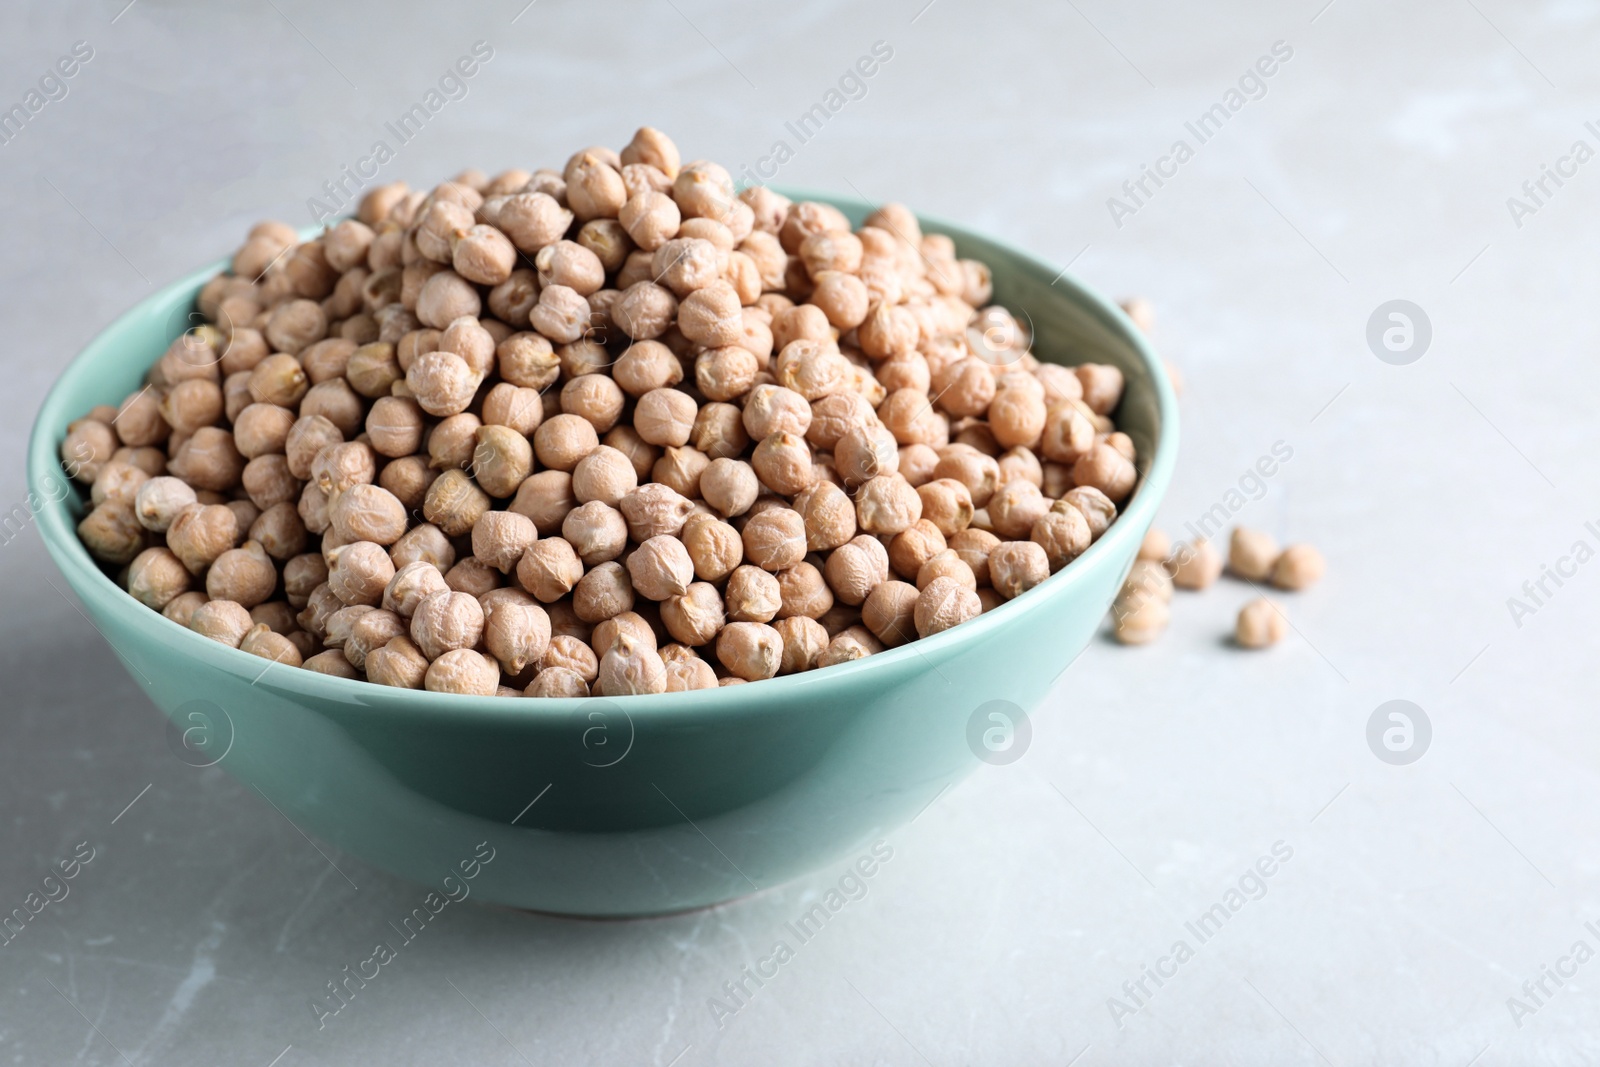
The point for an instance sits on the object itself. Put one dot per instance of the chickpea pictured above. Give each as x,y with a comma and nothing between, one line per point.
802,591
804,640
181,608
750,650
446,621
715,547
1139,620
1094,505
661,568
270,645
209,460
557,682
501,461
516,633
851,644
645,309
1157,545
1102,386
887,504
527,360
782,461
368,513
549,569
245,576
775,539
159,500
752,595
1194,566
694,616
947,564
1017,415
223,621
1261,624
1297,567
630,667
472,576
725,373
814,369
332,662
1068,433
718,431
596,531
1251,554
412,583
1064,535
653,510
454,503
546,498
944,603
690,673
199,533
1017,566
680,469
710,315
856,568
398,663
603,591
156,577
829,516
359,572
462,671
1015,507
442,383
1106,469
445,297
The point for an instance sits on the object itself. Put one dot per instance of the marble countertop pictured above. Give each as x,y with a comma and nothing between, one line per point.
1334,157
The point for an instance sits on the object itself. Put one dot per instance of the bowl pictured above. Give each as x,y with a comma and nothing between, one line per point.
624,806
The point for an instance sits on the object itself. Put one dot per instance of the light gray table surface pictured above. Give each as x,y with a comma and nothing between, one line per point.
1376,165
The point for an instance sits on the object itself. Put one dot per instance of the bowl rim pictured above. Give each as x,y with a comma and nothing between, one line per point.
58,530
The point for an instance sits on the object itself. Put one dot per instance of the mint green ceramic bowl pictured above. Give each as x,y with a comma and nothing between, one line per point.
644,805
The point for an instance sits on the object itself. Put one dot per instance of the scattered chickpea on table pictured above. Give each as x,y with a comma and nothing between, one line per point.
606,429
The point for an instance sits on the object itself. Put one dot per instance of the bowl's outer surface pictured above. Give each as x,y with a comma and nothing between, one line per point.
645,805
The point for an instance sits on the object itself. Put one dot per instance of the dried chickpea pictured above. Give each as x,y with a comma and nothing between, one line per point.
199,533
244,575
1064,535
159,500
1102,386
472,576
515,632
850,644
181,608
887,504
715,547
917,463
1297,567
546,498
425,543
889,612
750,650
752,595
596,531
302,575
1261,624
1106,469
501,460
1094,505
368,513
411,585
630,667
804,640
399,663
1017,566
192,404
557,682
947,504
803,591
446,621
331,662
264,642
604,591
856,568
1251,554
499,538
680,469
688,674
156,577
462,671
549,569
966,465
1194,566
454,503
829,516
864,453
694,616
775,539
947,564
223,621
718,431
209,460
654,509
943,603
359,572
1158,546
373,630
1139,620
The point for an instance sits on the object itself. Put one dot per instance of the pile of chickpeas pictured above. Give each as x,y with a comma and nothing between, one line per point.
609,429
